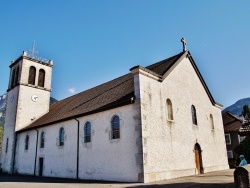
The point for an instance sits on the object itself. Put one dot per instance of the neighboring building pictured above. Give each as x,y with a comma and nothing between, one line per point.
154,123
232,124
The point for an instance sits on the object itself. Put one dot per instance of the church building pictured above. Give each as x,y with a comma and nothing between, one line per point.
154,123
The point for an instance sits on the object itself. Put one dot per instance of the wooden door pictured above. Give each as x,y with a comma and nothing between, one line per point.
198,158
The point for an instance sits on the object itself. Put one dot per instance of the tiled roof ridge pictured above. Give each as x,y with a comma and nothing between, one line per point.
157,64
233,115
102,92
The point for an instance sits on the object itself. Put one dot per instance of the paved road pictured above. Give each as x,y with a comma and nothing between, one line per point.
219,179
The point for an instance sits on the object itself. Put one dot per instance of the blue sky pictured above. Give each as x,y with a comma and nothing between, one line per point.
92,42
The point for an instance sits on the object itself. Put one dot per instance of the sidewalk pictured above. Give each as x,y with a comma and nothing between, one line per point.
218,179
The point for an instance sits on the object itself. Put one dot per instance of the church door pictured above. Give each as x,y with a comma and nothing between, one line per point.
198,158
40,166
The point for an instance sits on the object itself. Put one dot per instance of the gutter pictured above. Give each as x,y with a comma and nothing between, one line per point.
14,153
36,151
77,159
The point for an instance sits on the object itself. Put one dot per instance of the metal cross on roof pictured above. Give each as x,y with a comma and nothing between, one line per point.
184,43
33,51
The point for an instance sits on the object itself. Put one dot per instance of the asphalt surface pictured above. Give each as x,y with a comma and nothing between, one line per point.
219,179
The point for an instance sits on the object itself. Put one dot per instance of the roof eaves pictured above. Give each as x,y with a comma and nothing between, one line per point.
229,113
124,102
174,65
202,81
146,72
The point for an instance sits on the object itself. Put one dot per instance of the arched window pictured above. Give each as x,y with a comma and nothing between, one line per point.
32,75
13,78
41,78
16,76
115,126
26,147
87,132
7,145
194,117
170,110
42,139
61,136
211,121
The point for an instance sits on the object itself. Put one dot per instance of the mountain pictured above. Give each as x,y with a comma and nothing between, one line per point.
237,107
52,101
3,99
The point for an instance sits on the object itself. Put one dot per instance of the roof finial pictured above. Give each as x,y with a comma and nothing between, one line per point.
184,43
33,51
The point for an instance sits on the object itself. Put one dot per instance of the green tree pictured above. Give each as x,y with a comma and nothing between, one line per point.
246,110
243,149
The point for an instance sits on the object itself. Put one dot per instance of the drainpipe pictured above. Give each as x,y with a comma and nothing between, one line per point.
36,152
77,160
14,155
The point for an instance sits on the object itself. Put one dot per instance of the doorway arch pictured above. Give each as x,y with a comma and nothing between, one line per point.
198,158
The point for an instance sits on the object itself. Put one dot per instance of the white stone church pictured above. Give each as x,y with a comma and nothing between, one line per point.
156,122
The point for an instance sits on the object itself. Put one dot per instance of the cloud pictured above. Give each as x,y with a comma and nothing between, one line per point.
72,90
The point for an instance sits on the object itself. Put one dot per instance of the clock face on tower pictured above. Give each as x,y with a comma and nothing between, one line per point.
34,98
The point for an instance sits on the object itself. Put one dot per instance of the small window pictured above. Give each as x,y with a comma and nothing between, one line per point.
230,154
7,145
228,139
61,136
41,78
42,139
211,122
26,146
170,110
87,132
115,126
241,138
194,117
32,75
16,76
13,78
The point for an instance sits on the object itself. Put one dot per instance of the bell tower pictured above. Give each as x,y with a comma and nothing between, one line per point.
28,98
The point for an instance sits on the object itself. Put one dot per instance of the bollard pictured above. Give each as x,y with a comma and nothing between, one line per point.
241,176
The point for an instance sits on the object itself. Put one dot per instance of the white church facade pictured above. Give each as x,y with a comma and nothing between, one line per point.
156,122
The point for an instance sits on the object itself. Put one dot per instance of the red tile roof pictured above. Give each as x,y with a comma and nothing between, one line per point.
231,122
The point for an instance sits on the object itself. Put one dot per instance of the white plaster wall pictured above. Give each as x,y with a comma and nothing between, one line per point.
168,146
59,161
28,109
102,159
9,127
106,159
25,159
25,72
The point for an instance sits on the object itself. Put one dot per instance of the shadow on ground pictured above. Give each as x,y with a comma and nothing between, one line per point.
51,180
39,179
187,185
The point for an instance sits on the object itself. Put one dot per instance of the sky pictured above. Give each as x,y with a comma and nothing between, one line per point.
92,42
